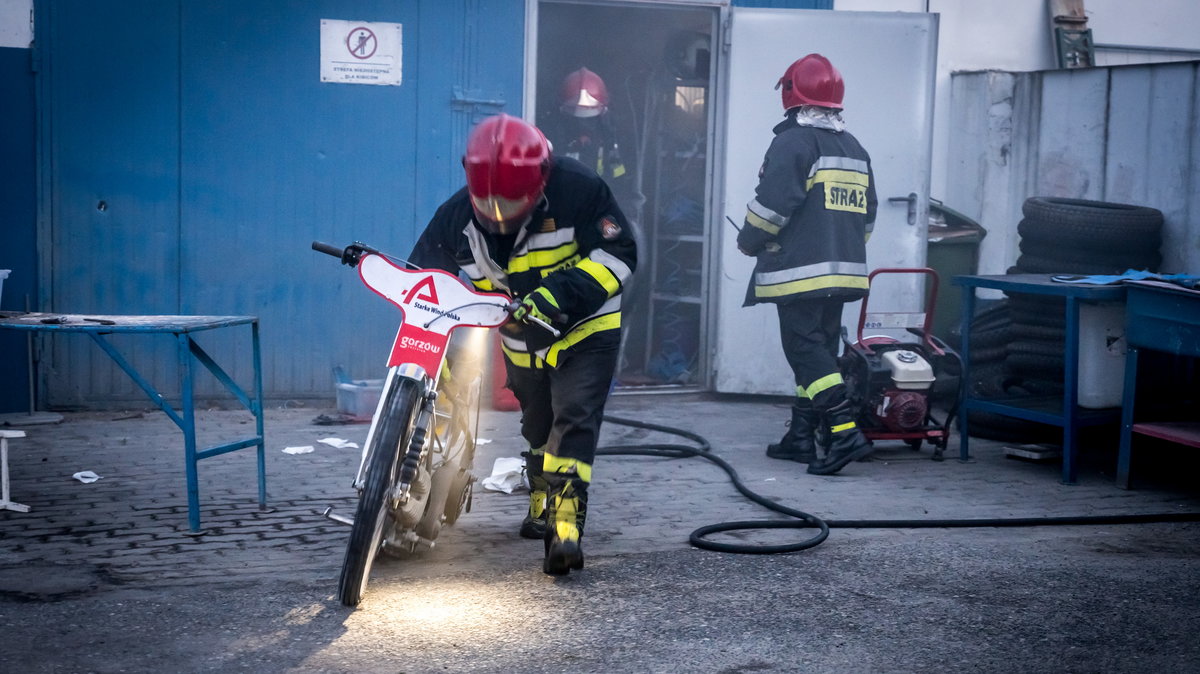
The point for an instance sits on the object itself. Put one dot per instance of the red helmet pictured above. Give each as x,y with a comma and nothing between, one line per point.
584,94
507,164
812,81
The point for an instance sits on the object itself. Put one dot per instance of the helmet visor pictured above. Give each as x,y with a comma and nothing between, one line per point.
502,216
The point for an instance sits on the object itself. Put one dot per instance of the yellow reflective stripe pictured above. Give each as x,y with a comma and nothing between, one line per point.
837,176
522,359
547,296
542,258
760,223
582,331
823,384
563,465
483,284
806,285
841,427
801,393
618,170
564,530
602,274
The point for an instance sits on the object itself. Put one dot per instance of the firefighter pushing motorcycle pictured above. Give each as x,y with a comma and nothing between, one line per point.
547,231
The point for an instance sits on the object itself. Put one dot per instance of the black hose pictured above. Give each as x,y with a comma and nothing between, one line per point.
697,538
805,520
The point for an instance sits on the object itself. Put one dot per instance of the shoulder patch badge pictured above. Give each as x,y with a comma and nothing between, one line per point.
609,229
548,225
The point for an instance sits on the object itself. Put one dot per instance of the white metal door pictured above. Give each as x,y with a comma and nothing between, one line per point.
888,61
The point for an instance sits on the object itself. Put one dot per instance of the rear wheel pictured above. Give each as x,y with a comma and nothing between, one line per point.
382,467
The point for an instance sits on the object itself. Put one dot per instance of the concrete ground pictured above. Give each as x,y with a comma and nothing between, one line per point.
103,576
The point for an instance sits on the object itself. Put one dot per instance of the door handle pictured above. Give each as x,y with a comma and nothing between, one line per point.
912,206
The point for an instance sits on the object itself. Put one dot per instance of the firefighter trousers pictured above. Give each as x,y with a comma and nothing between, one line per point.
811,332
562,407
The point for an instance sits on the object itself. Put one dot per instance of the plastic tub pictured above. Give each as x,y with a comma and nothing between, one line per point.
359,398
1101,354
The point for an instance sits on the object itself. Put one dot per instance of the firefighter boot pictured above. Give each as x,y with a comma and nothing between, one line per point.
534,524
565,514
846,441
798,443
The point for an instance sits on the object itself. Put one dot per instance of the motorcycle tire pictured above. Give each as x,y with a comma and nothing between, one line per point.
382,470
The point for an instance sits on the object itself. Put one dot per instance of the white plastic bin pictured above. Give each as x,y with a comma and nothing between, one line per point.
359,398
1101,354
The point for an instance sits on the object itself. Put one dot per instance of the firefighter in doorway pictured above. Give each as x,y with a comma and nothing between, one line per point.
584,131
807,226
547,231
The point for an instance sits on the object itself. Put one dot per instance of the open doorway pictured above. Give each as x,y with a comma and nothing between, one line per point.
650,140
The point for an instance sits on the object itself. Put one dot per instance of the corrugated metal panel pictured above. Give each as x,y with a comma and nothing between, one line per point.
1073,117
1151,111
114,182
220,155
1112,134
18,212
273,158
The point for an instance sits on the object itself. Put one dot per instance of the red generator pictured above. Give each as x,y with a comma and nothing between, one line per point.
893,383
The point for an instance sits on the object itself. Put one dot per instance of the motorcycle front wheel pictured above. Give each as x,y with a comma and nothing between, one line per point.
382,470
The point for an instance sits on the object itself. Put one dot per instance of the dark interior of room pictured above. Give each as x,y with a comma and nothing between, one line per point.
656,65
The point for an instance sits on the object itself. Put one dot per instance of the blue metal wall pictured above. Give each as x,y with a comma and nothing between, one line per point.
192,154
18,217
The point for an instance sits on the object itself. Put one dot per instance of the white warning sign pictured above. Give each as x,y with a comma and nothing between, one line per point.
360,52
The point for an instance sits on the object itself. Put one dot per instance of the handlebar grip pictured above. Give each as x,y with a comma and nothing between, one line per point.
322,247
514,305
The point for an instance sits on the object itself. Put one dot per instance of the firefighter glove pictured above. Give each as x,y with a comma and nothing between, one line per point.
539,305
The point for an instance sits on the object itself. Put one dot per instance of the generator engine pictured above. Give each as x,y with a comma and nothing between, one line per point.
894,388
892,383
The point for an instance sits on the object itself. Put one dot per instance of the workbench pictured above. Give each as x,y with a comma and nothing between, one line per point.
1159,317
1063,411
189,352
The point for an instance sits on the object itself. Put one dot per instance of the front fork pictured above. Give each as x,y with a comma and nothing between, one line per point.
410,457
417,447
395,373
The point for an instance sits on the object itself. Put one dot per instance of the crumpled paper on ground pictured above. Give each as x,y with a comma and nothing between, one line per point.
303,449
506,476
338,443
86,476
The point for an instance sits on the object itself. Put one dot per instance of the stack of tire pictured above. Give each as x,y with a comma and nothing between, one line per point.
992,332
1076,236
1058,236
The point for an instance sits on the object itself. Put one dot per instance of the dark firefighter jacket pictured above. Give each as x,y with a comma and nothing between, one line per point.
577,245
813,211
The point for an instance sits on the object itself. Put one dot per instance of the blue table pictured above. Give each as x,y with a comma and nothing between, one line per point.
189,352
1160,317
1061,411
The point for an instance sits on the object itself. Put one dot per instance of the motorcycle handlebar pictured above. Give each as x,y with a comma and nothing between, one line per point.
322,247
351,254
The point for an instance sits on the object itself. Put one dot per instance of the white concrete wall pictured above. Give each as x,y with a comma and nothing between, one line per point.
1015,35
15,28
